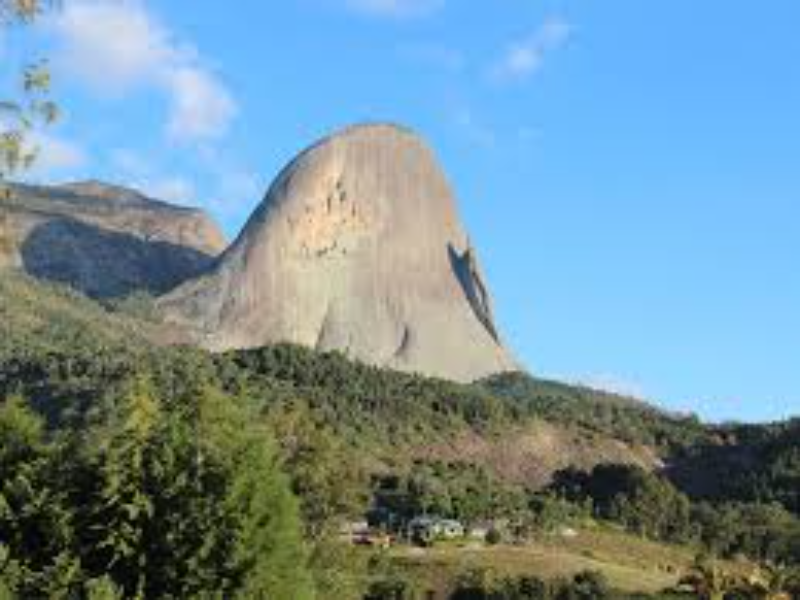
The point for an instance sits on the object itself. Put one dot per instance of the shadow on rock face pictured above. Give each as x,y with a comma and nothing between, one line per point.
107,264
465,267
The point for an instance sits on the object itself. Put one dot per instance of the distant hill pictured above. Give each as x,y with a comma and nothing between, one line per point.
103,240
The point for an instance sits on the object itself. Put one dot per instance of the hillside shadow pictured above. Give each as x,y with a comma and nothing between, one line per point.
106,264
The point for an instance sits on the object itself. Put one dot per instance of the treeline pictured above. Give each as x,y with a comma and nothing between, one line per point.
647,504
360,399
466,493
706,580
747,462
64,350
643,503
366,403
485,585
626,419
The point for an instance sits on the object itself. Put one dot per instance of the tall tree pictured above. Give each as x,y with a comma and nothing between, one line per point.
332,486
34,523
185,499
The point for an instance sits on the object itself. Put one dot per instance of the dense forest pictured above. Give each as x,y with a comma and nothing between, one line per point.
135,470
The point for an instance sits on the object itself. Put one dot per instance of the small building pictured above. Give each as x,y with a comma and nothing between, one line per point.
451,529
426,530
352,528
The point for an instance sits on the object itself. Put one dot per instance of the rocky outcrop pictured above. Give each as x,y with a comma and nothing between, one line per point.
356,247
104,240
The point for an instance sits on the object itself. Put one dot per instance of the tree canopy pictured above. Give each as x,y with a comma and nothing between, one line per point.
154,500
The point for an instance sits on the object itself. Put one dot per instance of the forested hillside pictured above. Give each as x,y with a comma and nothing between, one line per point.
86,383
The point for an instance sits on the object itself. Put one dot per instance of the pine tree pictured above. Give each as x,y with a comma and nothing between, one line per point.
119,459
187,500
263,516
332,487
34,525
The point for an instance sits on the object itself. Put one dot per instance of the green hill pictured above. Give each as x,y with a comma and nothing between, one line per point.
49,329
534,456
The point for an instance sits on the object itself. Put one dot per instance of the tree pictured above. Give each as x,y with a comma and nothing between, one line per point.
124,458
150,499
331,486
29,106
21,10
102,589
9,575
476,584
643,502
709,580
34,524
589,585
263,514
185,500
324,472
772,582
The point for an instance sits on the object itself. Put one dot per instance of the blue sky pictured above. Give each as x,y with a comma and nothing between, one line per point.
629,170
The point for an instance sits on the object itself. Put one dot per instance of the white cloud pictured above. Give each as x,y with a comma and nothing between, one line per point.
56,156
220,184
527,56
112,45
201,108
396,8
118,46
236,188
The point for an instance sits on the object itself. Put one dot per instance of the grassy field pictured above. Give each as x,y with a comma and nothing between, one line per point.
630,563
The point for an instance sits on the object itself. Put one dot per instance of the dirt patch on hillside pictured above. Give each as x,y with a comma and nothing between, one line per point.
531,455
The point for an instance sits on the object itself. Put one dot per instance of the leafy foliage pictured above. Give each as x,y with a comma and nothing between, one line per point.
155,500
480,585
623,418
648,504
29,106
745,462
451,490
91,368
644,503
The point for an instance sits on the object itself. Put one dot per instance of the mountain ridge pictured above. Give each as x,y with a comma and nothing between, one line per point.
104,240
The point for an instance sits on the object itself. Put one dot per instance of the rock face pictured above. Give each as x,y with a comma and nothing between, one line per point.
103,240
357,247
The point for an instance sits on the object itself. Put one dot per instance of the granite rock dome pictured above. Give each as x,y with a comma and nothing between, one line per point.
357,247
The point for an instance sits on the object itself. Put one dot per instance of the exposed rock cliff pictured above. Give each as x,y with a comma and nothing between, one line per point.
357,247
104,240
